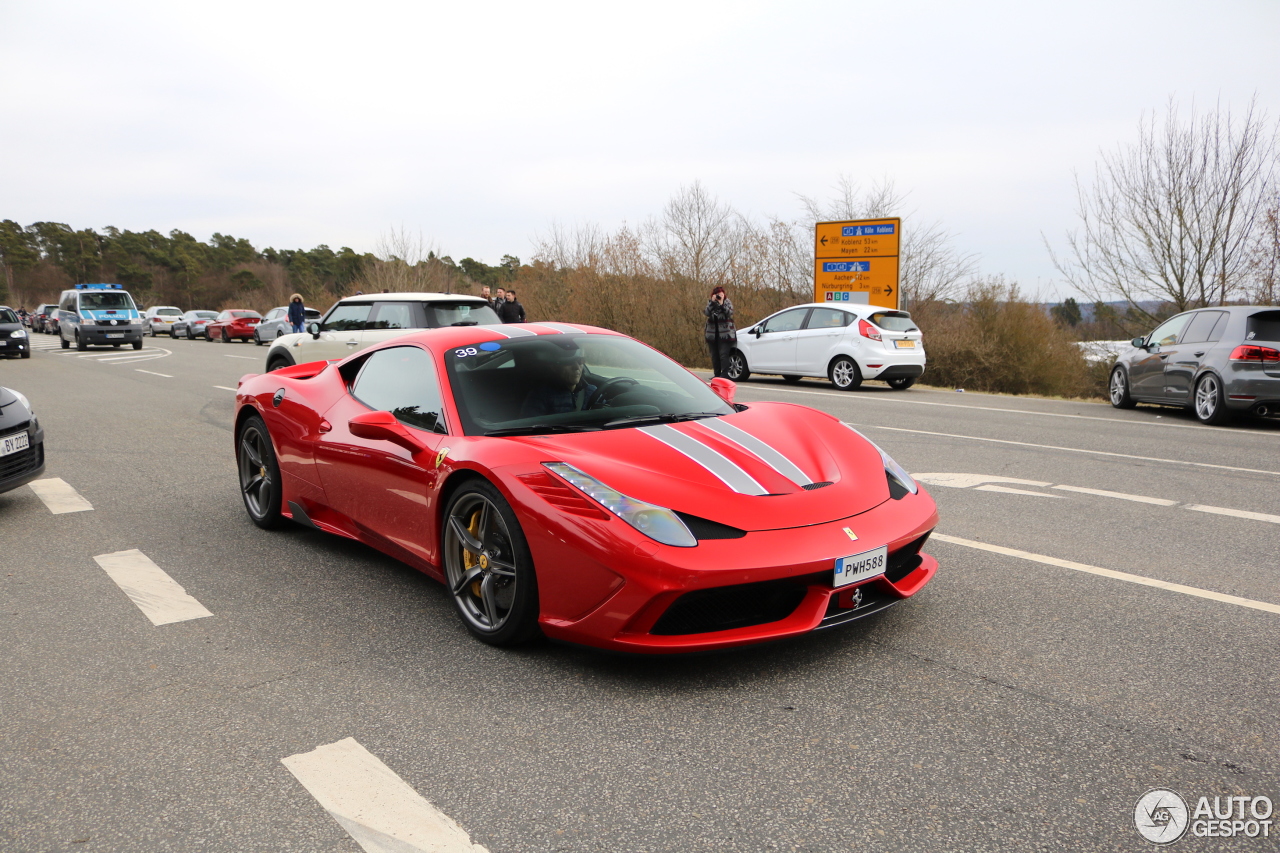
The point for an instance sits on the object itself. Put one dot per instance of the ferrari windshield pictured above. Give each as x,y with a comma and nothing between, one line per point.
572,383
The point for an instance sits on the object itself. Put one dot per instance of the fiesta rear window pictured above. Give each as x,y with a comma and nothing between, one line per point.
894,321
1263,326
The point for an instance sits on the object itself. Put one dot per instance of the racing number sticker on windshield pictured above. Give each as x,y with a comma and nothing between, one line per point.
466,351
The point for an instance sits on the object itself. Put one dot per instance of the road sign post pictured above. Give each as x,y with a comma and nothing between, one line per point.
857,261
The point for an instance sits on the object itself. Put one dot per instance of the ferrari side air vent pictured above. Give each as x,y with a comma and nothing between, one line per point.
726,607
560,496
905,560
812,486
703,528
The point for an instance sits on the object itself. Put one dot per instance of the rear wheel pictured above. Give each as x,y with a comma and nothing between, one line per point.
1118,390
259,474
901,383
737,369
488,567
65,343
1210,405
844,373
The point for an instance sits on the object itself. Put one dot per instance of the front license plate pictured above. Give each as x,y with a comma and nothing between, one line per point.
14,443
859,567
115,334
905,344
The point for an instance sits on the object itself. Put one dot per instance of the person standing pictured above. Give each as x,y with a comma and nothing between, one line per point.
297,313
511,311
720,332
484,294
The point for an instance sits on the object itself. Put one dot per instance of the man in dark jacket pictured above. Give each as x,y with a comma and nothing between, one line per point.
511,311
720,332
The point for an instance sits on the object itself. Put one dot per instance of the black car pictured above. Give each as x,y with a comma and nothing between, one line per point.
15,340
21,441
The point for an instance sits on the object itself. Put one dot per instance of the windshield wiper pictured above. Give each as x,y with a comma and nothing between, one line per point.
660,419
541,429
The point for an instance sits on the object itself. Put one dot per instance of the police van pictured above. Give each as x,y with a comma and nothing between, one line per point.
98,314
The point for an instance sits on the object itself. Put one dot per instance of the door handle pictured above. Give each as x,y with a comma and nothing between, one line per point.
353,343
1199,353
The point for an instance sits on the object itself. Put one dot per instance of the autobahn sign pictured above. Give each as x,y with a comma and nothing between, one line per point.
857,261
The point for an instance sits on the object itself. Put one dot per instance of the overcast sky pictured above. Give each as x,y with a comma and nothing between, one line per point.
481,124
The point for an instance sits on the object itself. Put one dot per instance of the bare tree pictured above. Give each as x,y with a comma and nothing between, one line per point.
406,262
1265,260
930,267
696,238
1172,217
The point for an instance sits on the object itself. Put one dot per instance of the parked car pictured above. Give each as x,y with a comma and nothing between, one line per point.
21,441
1218,362
15,340
191,324
276,323
845,344
235,325
655,517
159,320
45,318
98,313
357,322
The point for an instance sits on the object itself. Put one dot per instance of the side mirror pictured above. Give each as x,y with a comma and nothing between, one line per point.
1140,343
314,330
724,389
383,426
757,331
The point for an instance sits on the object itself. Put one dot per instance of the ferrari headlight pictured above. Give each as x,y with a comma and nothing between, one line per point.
891,466
20,333
653,521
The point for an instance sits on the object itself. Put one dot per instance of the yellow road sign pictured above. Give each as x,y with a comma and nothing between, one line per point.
870,281
857,239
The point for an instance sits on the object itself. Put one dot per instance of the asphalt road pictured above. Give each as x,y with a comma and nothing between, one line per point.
1014,704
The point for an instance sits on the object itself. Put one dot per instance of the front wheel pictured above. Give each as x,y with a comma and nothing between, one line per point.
259,474
226,338
844,373
1210,405
488,567
137,344
737,370
901,383
257,341
80,344
1118,390
65,343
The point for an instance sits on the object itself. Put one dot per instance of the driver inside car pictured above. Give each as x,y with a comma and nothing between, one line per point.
561,386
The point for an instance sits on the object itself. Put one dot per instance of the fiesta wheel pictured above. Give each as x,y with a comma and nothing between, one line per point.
844,373
901,383
259,474
736,370
488,568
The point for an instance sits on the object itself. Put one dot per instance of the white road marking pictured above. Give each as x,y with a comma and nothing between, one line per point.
153,373
1108,573
1238,513
1009,491
964,481
375,806
59,496
1103,493
844,395
158,596
1075,450
225,388
250,357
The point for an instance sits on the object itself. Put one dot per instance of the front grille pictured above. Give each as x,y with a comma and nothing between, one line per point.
726,607
812,486
22,462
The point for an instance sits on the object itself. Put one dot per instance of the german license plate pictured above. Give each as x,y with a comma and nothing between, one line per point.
115,334
14,443
905,344
859,567
4,343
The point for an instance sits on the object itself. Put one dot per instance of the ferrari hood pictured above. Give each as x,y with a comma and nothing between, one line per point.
770,467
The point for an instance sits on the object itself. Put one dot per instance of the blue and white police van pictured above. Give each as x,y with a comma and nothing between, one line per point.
99,314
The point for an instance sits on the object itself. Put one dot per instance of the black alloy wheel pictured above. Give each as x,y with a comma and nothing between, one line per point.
901,383
488,568
736,370
1118,390
844,373
259,474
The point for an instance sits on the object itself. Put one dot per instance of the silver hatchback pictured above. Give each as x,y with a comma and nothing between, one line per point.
1219,362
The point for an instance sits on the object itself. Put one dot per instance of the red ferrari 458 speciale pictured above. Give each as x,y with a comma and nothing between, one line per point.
572,481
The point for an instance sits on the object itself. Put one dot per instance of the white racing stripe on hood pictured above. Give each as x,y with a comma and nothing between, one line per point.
499,331
718,464
519,333
561,327
767,454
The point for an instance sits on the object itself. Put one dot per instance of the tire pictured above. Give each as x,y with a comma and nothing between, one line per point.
115,346
736,370
137,344
208,337
80,344
901,383
26,354
1118,390
1210,403
488,567
65,343
844,373
791,379
259,474
172,334
279,363
226,339
257,341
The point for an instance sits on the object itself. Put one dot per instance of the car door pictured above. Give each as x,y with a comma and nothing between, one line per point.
383,487
773,347
1146,371
1184,359
341,333
816,341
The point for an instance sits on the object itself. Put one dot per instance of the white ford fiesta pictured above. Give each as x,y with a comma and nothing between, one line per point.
846,344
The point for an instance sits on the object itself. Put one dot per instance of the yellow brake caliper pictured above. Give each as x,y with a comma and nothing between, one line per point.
469,560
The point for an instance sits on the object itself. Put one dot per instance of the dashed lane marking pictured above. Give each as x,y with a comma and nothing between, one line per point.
153,373
1103,493
1009,491
225,388
59,496
158,596
1238,513
375,806
249,357
1109,573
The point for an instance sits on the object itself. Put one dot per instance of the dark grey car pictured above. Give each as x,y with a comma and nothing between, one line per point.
1219,362
15,341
